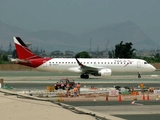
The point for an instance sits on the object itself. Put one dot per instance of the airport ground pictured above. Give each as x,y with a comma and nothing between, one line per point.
140,110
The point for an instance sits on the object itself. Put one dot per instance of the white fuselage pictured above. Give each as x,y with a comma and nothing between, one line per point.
115,65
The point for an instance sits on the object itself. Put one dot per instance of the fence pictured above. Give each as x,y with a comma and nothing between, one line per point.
5,67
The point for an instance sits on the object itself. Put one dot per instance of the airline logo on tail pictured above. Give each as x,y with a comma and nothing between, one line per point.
26,56
23,51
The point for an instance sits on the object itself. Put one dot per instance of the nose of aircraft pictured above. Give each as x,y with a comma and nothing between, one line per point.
153,68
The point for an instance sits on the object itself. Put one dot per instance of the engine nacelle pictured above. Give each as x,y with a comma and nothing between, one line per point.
105,72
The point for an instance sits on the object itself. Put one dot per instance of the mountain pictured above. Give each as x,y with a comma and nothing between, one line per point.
54,40
114,34
107,36
48,40
7,32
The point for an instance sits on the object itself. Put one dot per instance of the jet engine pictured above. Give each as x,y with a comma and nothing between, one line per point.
105,72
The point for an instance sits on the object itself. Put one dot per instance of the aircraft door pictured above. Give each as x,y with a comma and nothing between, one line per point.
138,64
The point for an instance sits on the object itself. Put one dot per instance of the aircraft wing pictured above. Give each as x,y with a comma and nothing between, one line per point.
88,69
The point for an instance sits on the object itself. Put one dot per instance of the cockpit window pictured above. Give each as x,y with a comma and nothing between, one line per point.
145,63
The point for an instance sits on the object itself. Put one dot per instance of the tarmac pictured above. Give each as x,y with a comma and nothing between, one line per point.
18,106
15,106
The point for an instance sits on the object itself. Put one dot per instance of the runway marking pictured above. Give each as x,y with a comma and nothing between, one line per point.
134,103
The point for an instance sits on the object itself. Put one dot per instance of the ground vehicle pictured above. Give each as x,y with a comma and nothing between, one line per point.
63,84
123,90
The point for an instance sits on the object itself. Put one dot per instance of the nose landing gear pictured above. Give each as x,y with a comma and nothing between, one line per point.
139,75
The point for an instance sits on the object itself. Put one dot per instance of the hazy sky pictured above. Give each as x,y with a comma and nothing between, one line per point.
77,16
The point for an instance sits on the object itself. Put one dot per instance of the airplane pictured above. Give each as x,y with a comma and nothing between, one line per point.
83,66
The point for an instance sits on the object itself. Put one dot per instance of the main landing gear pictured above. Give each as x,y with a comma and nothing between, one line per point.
139,75
85,76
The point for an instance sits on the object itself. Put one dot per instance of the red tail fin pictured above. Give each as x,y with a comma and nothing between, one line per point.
23,51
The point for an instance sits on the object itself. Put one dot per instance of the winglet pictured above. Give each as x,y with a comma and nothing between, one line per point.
79,63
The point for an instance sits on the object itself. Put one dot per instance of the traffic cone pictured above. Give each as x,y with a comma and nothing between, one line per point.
157,97
143,97
107,97
84,85
94,98
148,98
119,98
135,96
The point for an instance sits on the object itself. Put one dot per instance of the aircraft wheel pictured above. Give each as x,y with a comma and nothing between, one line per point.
63,87
82,76
86,76
139,75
